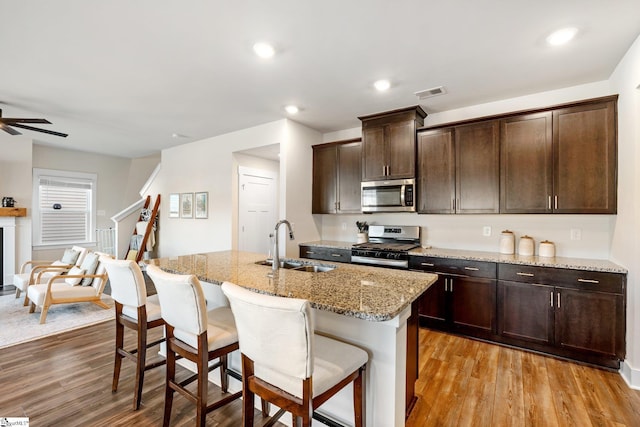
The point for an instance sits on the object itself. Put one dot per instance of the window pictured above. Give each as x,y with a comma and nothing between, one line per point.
63,207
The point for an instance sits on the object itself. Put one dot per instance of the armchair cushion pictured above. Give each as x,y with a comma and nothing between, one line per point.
70,256
89,265
73,281
37,293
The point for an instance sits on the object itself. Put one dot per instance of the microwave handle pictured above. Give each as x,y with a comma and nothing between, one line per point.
402,193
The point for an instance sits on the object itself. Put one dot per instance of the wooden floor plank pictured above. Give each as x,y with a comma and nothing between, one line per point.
66,380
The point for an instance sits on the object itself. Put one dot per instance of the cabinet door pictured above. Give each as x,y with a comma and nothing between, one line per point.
525,312
324,180
473,307
477,168
349,177
374,153
584,141
401,149
436,171
433,304
526,164
590,322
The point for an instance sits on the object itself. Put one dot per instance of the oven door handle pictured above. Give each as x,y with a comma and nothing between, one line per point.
379,261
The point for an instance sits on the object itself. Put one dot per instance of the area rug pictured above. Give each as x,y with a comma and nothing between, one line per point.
17,325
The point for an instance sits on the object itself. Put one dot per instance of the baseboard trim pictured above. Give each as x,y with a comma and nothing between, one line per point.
630,375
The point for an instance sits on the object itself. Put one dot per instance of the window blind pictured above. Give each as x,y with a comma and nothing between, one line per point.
65,209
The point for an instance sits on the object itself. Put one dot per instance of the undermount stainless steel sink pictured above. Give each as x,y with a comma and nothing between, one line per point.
299,266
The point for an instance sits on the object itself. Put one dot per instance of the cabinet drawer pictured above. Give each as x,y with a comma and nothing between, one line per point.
325,254
454,266
577,279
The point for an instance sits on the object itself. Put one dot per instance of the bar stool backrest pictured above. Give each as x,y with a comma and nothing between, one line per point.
127,282
182,301
274,332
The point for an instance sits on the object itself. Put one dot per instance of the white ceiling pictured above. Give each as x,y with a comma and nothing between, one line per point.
122,76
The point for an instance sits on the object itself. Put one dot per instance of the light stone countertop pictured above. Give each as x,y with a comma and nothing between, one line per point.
370,293
555,262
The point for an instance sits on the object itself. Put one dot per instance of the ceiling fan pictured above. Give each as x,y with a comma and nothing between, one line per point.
7,124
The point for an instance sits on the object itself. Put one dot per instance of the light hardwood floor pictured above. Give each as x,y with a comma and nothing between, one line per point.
66,380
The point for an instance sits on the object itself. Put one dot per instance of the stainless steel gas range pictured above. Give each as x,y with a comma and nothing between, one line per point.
388,246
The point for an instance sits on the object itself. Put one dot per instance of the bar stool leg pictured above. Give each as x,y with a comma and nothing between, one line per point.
168,389
119,346
141,358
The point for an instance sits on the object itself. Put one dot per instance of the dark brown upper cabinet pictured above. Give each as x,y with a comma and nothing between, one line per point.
559,159
436,177
584,155
526,164
337,173
458,169
388,143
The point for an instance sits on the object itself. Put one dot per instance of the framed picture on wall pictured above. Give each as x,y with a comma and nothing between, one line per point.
174,205
202,204
186,205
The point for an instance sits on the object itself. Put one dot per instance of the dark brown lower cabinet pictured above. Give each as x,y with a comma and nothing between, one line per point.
570,313
457,302
525,312
574,314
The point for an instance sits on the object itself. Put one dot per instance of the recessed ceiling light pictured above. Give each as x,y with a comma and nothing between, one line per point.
561,36
264,50
382,85
292,109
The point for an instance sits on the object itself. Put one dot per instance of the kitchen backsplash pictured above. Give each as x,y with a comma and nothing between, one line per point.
466,231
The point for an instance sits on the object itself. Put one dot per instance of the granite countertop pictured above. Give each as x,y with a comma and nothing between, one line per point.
555,262
370,293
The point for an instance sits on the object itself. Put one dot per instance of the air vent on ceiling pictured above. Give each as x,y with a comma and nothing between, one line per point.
434,91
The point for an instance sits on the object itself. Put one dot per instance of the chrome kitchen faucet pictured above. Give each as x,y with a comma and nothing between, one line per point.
276,253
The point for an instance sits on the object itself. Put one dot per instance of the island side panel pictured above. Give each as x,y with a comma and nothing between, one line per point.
386,343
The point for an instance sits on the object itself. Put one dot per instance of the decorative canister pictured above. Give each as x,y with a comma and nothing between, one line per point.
362,238
507,242
526,245
547,249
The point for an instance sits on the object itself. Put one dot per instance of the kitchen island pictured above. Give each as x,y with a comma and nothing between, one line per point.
366,306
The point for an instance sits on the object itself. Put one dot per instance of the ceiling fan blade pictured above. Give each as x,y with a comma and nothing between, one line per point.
50,132
9,130
9,121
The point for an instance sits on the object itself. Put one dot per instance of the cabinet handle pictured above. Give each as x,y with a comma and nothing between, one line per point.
558,299
589,281
310,252
472,268
338,205
450,285
525,274
549,202
427,264
336,255
445,285
555,202
551,301
453,204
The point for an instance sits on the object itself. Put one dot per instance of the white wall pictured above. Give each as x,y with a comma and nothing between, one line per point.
209,165
298,163
15,181
626,234
119,181
206,165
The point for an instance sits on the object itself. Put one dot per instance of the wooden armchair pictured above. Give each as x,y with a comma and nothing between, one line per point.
70,288
34,272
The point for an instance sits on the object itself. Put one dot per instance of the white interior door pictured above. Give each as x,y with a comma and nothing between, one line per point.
257,210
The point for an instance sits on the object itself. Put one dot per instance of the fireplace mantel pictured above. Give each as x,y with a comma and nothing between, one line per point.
13,211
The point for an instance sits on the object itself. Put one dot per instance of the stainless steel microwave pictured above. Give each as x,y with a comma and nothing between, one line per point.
396,195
